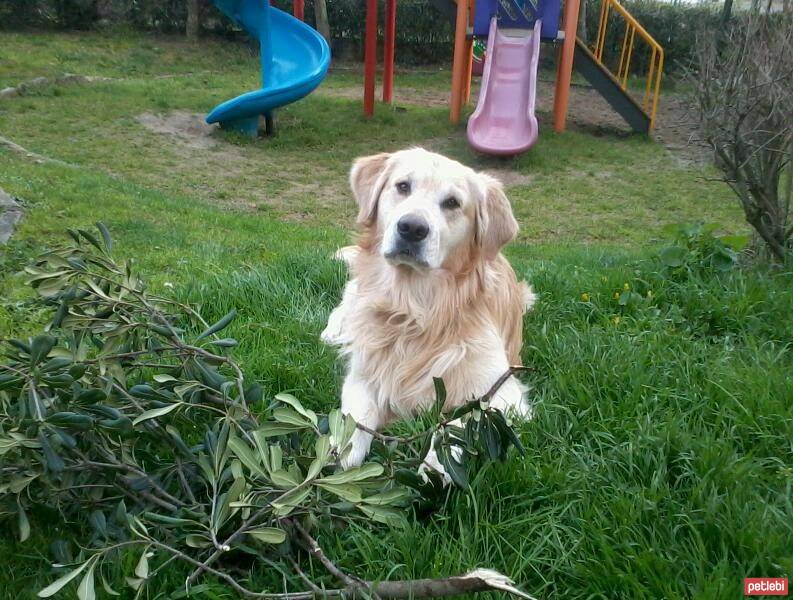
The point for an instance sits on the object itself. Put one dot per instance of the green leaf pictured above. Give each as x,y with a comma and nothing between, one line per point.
24,524
164,378
40,347
365,471
198,541
142,568
246,455
440,395
454,469
98,521
322,448
295,403
284,479
156,412
55,364
134,583
346,491
736,242
225,343
253,394
268,535
58,584
218,326
491,438
507,432
91,238
276,457
388,516
389,497
17,484
341,428
85,591
673,256
107,587
105,236
51,458
286,415
290,501
271,429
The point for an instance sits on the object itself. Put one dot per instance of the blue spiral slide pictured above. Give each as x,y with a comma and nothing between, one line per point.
294,61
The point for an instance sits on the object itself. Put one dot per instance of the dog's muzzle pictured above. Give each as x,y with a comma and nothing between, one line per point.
408,246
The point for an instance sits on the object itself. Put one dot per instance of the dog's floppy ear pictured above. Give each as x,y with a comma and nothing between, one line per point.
495,223
367,181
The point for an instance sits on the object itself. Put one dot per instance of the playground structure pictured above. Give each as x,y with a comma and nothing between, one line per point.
294,61
504,120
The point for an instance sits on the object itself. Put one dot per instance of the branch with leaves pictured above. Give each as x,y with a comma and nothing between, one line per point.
129,416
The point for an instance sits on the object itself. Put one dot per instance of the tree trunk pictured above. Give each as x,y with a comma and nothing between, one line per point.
193,25
726,12
321,17
582,31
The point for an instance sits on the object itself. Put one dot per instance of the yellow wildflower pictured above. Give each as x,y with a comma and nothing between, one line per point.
585,297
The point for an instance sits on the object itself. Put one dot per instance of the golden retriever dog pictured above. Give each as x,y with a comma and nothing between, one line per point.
430,294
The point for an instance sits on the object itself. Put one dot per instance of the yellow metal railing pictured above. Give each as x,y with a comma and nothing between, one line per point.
652,88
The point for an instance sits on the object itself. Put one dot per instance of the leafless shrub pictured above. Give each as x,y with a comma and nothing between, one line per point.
743,82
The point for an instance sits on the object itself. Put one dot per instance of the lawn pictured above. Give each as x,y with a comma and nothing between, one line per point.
659,464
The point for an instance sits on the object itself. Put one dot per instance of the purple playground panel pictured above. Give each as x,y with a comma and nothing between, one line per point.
517,14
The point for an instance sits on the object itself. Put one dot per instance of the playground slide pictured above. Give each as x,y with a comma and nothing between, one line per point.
294,61
504,121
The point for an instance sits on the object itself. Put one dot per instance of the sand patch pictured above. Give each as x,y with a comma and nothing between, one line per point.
186,127
510,178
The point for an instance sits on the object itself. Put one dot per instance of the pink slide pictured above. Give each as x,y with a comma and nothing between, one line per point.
504,121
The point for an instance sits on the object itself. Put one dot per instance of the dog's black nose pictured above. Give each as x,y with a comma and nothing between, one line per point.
412,228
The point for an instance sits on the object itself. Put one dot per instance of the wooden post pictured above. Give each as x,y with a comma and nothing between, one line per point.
564,71
388,51
370,58
299,9
459,60
469,70
321,17
193,24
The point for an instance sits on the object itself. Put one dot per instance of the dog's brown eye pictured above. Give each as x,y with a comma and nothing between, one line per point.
450,203
403,187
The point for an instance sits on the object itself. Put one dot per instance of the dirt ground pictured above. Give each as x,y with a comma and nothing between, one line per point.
189,128
587,111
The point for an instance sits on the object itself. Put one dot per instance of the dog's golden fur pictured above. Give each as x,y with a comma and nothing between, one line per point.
401,326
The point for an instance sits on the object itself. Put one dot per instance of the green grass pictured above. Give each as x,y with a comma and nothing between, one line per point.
659,463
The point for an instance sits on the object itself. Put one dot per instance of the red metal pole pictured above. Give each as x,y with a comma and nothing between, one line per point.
299,9
388,52
564,72
370,58
459,60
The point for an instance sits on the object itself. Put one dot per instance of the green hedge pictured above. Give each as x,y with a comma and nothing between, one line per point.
423,35
424,32
674,26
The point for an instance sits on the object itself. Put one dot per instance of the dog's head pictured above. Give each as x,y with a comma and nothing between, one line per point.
424,209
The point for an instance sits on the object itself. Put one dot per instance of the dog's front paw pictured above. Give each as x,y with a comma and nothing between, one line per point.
333,332
357,450
431,463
